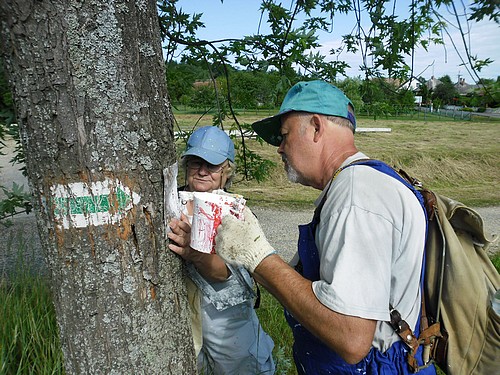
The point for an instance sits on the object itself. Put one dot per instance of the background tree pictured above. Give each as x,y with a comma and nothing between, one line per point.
423,90
203,97
253,89
89,91
487,96
180,78
445,92
385,40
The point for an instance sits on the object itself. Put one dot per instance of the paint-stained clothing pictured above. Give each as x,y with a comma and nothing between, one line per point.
363,252
231,341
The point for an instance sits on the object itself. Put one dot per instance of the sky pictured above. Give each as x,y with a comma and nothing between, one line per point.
236,18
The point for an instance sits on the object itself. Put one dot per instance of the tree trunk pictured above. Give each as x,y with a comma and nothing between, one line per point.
89,86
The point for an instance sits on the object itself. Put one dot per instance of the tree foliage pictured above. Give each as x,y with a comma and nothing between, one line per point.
287,41
384,37
16,199
445,93
485,8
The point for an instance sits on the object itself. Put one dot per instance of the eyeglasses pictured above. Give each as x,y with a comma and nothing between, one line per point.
196,165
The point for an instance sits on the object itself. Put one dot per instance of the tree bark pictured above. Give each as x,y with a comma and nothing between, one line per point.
96,126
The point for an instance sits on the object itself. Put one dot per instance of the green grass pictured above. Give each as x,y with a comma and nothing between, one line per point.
29,342
458,159
495,259
271,317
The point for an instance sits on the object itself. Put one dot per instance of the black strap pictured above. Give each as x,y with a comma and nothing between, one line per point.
257,299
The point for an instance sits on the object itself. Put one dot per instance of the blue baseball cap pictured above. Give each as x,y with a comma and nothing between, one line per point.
313,97
211,144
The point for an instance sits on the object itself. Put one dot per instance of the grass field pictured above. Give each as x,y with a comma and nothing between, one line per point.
459,159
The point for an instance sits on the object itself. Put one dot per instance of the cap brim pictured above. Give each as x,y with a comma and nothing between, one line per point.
209,156
269,129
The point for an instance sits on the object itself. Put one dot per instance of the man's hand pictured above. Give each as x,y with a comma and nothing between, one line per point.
242,242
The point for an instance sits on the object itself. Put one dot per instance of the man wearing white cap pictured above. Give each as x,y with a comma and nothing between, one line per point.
231,341
361,253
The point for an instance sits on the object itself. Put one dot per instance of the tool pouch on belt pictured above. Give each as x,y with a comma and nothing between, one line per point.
431,339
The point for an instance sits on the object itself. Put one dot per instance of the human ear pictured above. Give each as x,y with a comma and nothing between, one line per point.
318,123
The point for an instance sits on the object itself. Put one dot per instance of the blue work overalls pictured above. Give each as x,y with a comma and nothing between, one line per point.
311,356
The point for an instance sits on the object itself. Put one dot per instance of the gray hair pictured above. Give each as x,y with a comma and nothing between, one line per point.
230,172
341,121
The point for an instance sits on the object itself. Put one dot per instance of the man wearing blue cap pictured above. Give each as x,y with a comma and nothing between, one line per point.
361,253
231,340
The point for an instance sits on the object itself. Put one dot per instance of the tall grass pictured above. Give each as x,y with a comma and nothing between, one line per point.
271,317
29,342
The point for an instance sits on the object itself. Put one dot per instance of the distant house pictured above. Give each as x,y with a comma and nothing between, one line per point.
396,83
433,83
464,88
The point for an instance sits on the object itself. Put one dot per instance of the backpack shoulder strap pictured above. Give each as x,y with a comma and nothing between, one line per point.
401,176
428,334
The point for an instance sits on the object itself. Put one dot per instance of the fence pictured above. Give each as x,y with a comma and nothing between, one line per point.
453,113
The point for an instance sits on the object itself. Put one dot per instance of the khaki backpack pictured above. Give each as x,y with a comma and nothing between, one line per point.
459,331
456,234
